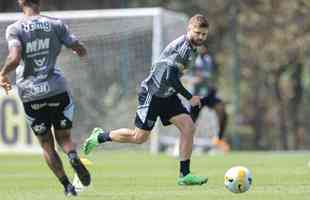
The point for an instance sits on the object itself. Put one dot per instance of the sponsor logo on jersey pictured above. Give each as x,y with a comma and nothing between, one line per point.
40,69
40,77
63,123
40,62
36,25
37,45
56,104
38,106
39,128
40,89
169,92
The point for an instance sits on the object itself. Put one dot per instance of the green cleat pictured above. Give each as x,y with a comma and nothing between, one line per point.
92,141
190,179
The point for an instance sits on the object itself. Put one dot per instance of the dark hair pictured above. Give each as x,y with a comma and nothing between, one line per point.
29,2
198,20
35,1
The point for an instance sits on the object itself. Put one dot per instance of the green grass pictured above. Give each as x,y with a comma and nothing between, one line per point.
121,175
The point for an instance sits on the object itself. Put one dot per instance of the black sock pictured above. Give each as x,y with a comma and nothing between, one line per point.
64,181
184,167
72,155
104,137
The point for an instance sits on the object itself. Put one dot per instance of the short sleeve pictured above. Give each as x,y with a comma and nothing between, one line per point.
12,38
174,76
67,38
185,52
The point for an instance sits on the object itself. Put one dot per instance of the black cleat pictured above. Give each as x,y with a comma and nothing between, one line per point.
70,190
81,171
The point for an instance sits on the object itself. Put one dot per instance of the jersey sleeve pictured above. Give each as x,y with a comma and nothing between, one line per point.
184,52
65,36
174,79
12,38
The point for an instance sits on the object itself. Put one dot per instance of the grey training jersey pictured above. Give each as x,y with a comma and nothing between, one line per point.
177,52
41,39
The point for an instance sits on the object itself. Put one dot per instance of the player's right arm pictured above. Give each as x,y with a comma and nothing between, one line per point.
70,40
13,58
11,63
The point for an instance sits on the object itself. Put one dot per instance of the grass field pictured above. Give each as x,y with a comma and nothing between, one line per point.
121,175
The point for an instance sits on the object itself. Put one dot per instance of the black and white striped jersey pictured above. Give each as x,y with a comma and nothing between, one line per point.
166,69
41,39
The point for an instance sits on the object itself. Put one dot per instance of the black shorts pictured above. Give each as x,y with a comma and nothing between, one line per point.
56,111
211,99
150,107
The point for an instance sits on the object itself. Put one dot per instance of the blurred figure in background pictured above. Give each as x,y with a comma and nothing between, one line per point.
203,81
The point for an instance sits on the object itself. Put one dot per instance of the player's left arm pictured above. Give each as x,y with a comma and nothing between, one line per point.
79,49
174,79
70,40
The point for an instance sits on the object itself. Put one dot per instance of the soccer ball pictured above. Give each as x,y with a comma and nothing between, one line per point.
238,179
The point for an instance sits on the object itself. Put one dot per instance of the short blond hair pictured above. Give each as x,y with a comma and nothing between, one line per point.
199,21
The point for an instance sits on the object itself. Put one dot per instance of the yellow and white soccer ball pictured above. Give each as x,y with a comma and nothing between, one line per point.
238,179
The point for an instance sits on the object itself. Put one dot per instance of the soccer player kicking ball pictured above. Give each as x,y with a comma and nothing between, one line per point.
158,98
37,41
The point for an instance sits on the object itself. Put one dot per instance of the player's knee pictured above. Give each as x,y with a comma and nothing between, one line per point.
140,138
63,137
192,128
189,128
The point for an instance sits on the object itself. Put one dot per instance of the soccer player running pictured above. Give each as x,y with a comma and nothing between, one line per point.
158,98
36,40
